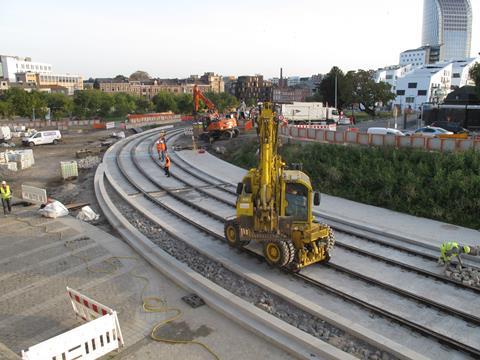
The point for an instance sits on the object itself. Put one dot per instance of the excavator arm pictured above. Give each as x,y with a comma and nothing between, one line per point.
197,96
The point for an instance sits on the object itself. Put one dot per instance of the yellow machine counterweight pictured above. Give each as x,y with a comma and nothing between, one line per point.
274,207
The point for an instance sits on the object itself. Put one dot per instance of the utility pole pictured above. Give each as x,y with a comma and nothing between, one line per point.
336,91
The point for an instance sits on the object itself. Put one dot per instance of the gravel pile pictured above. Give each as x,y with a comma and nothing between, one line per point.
89,162
252,293
468,276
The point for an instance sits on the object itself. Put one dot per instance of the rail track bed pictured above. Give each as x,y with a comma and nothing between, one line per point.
392,289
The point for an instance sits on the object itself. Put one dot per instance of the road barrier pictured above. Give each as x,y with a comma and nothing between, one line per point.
92,340
89,341
312,134
34,195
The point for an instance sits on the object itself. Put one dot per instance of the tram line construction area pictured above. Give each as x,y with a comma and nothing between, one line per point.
381,296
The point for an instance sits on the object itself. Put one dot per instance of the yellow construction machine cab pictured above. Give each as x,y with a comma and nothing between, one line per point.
274,207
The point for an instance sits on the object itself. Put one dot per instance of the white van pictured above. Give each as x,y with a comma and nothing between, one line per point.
384,131
43,137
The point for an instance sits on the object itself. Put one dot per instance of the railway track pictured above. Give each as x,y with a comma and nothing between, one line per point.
202,201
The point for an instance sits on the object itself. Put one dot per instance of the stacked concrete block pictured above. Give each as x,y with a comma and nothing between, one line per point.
22,159
69,169
89,162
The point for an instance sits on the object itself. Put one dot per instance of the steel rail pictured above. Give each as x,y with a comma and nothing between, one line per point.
429,332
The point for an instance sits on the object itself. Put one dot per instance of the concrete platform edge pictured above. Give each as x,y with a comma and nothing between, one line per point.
285,336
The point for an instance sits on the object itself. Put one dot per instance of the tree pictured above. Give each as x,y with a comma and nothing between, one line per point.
165,101
6,109
143,105
139,75
20,101
326,89
475,75
124,104
89,103
60,105
367,92
184,103
316,97
223,101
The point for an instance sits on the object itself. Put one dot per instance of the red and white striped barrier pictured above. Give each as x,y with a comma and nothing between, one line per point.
353,136
85,307
90,341
99,336
331,127
89,309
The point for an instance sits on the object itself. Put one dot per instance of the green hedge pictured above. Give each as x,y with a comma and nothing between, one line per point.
439,186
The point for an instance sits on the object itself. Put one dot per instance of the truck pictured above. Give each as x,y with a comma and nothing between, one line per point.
274,207
303,113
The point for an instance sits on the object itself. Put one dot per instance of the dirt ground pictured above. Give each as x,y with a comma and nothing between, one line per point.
46,173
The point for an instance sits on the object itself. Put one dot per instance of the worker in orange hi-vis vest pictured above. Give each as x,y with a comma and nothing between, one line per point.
161,148
166,167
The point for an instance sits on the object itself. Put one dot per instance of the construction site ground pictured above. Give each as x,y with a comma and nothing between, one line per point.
39,257
46,173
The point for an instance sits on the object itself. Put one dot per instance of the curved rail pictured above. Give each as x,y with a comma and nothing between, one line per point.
174,194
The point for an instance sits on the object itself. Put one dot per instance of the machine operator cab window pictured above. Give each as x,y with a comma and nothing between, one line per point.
296,196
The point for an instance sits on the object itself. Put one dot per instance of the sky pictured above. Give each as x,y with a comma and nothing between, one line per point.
176,38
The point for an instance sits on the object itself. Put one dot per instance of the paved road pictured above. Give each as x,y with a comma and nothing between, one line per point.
39,257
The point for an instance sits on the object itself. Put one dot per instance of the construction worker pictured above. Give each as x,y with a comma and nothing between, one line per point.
451,249
166,167
163,145
161,148
6,197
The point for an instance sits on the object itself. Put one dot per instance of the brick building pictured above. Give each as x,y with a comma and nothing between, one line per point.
253,89
150,88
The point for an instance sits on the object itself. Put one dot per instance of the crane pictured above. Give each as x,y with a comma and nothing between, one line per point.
274,207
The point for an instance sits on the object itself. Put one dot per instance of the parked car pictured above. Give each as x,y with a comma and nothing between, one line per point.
344,121
43,137
431,131
450,126
384,131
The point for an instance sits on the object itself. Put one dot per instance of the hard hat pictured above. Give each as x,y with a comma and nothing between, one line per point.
4,182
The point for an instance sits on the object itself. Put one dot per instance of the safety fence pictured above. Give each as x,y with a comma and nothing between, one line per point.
161,120
133,121
353,136
52,124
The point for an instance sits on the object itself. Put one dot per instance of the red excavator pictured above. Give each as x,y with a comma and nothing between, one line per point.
215,125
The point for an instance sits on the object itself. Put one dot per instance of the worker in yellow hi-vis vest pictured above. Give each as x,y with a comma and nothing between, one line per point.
450,250
6,197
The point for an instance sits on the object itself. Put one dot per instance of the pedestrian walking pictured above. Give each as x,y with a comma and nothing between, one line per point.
451,249
166,167
6,197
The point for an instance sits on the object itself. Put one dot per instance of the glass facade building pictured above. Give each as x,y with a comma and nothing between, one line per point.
448,23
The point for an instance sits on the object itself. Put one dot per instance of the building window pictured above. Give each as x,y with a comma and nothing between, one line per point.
456,75
389,77
409,99
412,85
400,92
422,92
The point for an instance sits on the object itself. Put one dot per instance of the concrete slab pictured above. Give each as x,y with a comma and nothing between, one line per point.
37,308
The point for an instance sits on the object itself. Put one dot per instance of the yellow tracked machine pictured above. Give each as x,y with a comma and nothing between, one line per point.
274,207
